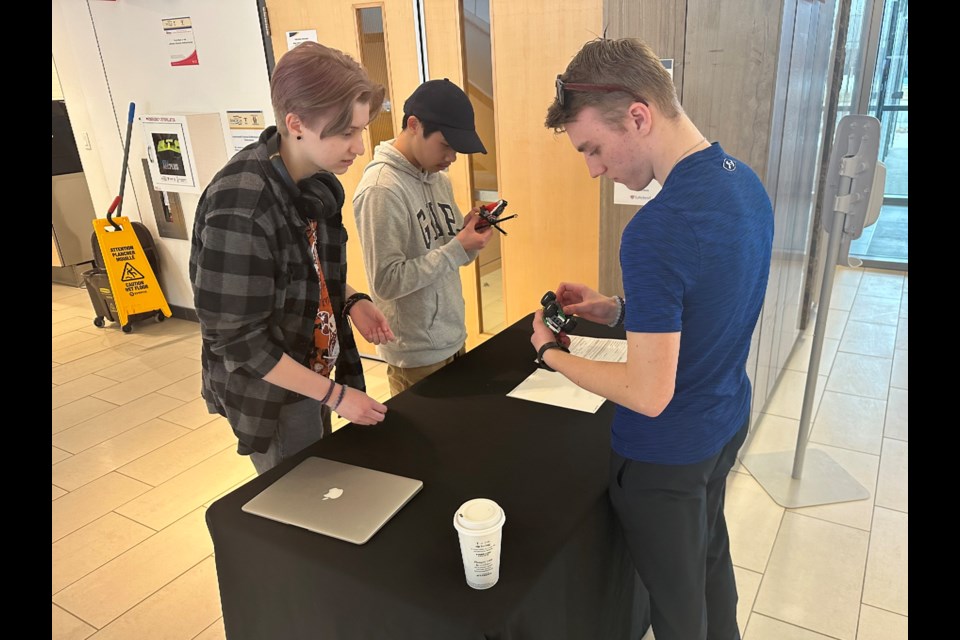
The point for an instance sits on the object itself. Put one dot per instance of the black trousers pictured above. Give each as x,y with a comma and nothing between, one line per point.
672,518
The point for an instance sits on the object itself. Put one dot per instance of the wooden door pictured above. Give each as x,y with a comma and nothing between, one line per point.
340,24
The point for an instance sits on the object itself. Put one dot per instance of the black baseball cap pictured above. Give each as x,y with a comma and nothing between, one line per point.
445,105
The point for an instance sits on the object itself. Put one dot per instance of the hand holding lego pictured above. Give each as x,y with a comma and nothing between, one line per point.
579,299
472,236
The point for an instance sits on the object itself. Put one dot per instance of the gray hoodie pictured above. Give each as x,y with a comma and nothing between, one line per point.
408,221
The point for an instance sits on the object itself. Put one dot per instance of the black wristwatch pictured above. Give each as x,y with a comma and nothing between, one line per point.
352,300
546,347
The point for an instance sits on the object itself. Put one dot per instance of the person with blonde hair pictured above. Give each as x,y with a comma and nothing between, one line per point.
695,262
268,266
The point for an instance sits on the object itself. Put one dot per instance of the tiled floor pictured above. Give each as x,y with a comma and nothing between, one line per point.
137,460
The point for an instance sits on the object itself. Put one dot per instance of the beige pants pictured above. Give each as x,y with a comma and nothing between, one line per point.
402,378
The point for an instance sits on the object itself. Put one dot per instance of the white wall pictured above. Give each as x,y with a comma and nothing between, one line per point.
109,54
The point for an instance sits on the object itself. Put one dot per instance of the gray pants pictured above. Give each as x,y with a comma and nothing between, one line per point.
301,424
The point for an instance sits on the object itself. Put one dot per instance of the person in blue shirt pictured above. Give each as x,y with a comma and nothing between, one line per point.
695,262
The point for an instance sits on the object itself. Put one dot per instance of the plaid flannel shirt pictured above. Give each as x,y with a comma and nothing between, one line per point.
256,291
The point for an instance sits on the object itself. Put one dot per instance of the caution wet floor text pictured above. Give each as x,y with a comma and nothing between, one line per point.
134,285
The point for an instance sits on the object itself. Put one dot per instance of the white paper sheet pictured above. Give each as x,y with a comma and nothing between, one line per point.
550,387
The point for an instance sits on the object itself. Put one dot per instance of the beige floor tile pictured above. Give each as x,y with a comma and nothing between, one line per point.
92,546
850,422
176,497
187,389
79,388
69,627
138,386
892,489
847,276
843,296
862,467
78,411
881,284
92,432
70,336
898,377
213,632
814,576
94,363
111,454
753,520
69,324
183,608
885,584
106,593
191,415
62,292
875,309
877,624
748,583
799,360
836,321
902,338
869,339
765,628
174,458
787,397
772,433
253,474
146,361
895,424
81,349
903,305
860,375
57,492
59,455
91,501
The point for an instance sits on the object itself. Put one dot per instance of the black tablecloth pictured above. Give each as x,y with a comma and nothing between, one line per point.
565,572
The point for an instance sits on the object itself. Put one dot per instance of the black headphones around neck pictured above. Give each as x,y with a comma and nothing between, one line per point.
317,196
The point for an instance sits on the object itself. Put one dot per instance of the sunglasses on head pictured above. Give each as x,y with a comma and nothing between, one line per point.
591,88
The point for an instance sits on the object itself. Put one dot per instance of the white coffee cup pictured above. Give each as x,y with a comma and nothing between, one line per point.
479,523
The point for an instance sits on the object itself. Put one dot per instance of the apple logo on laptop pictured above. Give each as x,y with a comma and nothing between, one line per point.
333,494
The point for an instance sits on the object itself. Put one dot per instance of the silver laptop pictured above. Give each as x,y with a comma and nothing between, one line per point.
339,500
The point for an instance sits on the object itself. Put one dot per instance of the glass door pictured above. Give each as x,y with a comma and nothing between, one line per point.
883,40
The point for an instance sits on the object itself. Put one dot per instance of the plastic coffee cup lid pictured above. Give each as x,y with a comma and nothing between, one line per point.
479,513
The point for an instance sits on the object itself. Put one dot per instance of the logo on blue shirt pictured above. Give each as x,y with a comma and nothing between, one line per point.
729,164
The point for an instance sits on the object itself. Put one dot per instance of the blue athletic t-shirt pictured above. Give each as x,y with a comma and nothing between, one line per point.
696,260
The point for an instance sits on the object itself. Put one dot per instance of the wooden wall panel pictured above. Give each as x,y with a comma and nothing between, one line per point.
730,63
443,25
661,25
541,175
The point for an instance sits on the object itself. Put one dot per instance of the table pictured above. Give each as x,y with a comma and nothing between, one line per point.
565,570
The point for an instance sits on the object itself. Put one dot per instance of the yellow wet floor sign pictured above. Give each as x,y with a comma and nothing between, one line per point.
134,285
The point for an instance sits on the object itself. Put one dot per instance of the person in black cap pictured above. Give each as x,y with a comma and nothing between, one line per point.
413,235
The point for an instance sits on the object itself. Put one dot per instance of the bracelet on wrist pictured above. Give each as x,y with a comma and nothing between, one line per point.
343,391
621,312
329,392
352,300
546,347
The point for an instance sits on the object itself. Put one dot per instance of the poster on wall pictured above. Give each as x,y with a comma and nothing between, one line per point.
245,128
180,43
167,210
168,152
296,37
623,195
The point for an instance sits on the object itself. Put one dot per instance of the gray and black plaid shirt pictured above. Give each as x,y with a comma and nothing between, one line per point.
256,290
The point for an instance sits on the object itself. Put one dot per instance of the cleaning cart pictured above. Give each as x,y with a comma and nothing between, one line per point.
123,285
